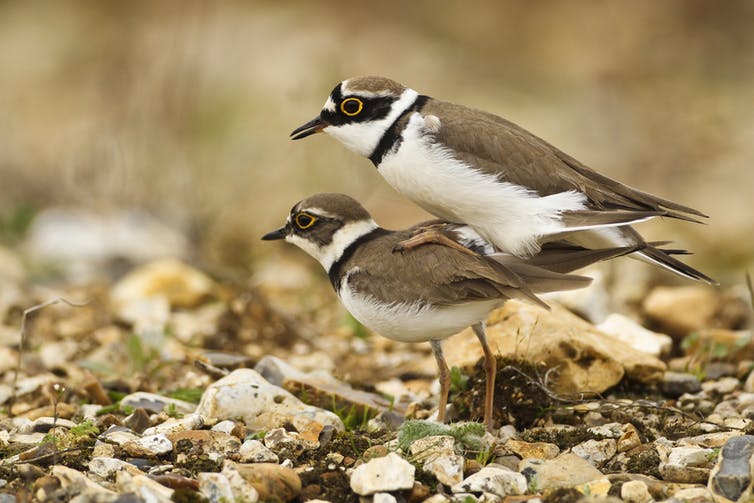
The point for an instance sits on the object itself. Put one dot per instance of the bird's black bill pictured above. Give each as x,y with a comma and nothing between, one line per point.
313,126
276,234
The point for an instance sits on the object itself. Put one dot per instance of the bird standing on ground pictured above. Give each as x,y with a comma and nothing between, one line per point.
432,291
473,167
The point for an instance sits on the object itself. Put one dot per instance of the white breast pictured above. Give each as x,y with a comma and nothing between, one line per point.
413,322
511,216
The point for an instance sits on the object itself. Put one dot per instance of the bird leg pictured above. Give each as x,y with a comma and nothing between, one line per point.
444,379
430,235
490,368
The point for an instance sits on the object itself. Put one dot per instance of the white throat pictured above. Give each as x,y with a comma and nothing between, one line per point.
363,137
327,255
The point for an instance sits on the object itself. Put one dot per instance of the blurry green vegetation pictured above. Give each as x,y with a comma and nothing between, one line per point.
15,222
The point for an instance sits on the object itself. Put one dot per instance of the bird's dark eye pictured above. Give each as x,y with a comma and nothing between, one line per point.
351,106
304,220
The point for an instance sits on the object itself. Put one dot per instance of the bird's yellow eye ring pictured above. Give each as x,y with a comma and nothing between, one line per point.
351,106
304,220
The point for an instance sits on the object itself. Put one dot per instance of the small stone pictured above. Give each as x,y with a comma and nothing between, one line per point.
599,487
437,498
145,487
254,451
273,482
694,495
76,483
538,450
685,464
149,446
596,451
153,402
681,310
431,447
384,498
627,330
388,473
721,386
447,468
493,479
629,439
226,426
138,421
278,439
732,474
246,395
214,444
215,487
118,435
635,491
180,284
675,384
175,425
566,470
45,424
108,467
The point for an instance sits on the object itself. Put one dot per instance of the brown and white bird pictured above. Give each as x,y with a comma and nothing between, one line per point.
473,167
432,291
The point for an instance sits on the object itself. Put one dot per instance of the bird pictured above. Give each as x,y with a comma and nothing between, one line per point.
472,167
430,292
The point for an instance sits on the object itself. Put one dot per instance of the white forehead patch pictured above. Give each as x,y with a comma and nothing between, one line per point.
329,105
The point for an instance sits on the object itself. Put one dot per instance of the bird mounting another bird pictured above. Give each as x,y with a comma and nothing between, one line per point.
472,167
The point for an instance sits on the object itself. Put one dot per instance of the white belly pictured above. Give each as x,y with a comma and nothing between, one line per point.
511,216
414,322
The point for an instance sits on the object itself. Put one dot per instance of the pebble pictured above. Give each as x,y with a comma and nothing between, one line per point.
494,479
566,470
174,425
447,468
108,467
118,435
155,403
181,285
384,498
596,451
245,394
254,451
271,481
76,483
216,487
681,310
149,446
635,491
431,447
694,495
538,450
722,386
627,330
685,464
143,486
675,384
732,473
226,426
45,424
388,473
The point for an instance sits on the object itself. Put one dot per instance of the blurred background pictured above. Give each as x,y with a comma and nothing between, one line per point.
150,128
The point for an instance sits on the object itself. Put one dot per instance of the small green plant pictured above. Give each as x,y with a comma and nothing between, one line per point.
353,417
191,395
115,408
484,456
458,380
15,223
172,411
467,435
51,438
87,428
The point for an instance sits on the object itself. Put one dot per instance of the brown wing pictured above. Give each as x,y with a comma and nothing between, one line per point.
499,147
442,275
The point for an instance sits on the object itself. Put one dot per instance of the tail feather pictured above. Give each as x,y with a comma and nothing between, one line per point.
663,259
